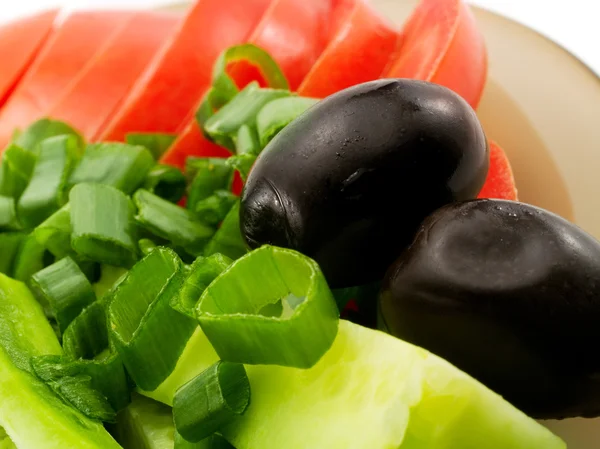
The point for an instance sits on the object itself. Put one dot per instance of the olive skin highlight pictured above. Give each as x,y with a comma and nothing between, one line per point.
349,181
509,293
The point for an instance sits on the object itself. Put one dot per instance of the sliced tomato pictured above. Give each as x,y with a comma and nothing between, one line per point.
79,38
171,87
94,95
359,51
20,41
500,182
442,44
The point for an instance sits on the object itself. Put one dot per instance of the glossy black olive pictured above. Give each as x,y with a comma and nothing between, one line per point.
509,293
349,182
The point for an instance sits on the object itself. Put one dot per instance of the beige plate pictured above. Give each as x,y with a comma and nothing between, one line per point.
543,106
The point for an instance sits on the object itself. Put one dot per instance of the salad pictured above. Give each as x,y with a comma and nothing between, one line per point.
212,239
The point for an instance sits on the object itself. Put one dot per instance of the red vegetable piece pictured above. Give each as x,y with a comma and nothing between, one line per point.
94,95
172,86
442,44
71,47
359,51
20,42
500,182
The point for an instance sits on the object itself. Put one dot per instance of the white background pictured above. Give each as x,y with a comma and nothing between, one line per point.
576,26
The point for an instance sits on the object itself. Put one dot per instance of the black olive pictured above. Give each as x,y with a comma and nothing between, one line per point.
349,181
509,293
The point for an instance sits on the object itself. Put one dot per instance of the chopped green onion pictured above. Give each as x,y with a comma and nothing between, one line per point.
243,163
156,143
211,401
64,289
24,330
75,388
32,138
116,164
46,192
277,114
102,224
54,234
214,441
32,258
171,222
146,246
247,140
210,175
237,310
8,214
10,244
166,181
147,332
109,277
214,209
15,171
203,271
223,126
228,239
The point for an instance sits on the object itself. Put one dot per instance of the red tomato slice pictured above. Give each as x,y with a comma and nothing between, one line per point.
500,182
171,87
20,41
442,44
358,52
80,37
94,95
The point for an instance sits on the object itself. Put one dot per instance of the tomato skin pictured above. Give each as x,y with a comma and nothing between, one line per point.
500,182
359,50
20,42
95,94
442,44
170,89
77,40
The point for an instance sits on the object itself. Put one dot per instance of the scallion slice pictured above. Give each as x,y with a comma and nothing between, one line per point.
43,129
147,332
8,214
32,258
203,271
10,244
146,246
102,224
223,126
46,192
54,234
211,401
242,163
214,209
214,441
64,289
210,175
171,222
279,113
247,140
15,171
228,239
156,143
116,164
166,181
271,307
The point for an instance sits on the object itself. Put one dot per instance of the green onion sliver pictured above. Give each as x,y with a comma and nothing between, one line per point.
46,192
156,143
15,171
214,209
228,239
64,289
243,163
8,214
211,401
247,140
54,234
116,164
32,138
32,258
210,175
279,113
214,441
166,181
10,244
271,307
147,332
223,126
203,271
102,224
171,222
